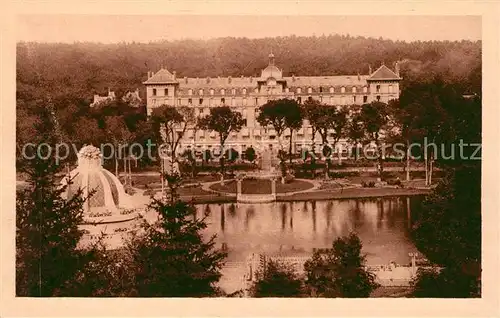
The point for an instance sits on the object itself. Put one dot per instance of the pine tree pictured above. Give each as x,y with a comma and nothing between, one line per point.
170,258
47,234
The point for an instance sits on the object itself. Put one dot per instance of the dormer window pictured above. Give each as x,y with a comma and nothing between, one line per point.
354,89
223,92
309,90
200,92
342,90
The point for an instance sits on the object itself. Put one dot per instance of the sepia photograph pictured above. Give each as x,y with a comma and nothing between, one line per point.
248,156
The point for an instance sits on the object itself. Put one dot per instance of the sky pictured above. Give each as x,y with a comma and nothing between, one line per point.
146,28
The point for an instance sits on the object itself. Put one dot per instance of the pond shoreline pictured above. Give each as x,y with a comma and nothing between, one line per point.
351,193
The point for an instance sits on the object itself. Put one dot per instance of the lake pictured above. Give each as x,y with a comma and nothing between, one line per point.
296,228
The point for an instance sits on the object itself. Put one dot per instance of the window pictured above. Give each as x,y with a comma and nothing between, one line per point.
154,91
310,99
256,101
223,92
365,99
200,92
378,98
354,98
321,89
309,90
244,122
244,101
166,91
299,90
378,88
201,101
354,89
342,90
233,91
232,101
332,90
190,101
332,100
179,101
299,100
223,101
211,91
365,89
390,88
321,99
287,90
244,91
256,90
190,92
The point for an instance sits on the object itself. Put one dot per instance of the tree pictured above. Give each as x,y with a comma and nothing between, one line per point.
277,280
340,271
448,232
170,124
355,132
375,119
48,261
116,130
281,114
445,283
327,120
191,160
223,121
170,258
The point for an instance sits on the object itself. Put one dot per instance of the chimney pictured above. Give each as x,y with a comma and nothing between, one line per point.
369,69
185,79
293,78
396,68
359,77
174,73
208,80
229,79
251,79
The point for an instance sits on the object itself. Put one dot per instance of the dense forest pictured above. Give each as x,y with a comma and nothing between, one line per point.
80,70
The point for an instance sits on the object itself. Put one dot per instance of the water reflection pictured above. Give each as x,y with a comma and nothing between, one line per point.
298,227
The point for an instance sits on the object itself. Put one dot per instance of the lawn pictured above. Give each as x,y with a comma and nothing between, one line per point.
262,186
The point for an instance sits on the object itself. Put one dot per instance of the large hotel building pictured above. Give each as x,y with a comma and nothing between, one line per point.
247,94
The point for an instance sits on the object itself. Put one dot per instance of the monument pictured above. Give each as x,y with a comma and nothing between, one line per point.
108,204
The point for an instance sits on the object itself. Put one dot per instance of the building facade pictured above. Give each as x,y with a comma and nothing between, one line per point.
247,94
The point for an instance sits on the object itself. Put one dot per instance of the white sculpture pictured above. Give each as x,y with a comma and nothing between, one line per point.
109,195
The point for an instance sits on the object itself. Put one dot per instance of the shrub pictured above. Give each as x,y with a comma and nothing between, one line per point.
250,154
369,184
